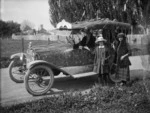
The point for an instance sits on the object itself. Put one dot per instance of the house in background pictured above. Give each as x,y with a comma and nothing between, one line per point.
41,30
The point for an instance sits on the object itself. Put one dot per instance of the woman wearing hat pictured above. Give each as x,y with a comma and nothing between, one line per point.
101,61
122,59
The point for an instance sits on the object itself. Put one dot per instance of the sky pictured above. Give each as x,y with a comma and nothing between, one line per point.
35,11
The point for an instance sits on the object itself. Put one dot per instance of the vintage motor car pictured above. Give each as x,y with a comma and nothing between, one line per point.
42,63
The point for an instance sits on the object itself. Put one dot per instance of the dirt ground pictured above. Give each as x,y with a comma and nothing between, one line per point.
14,93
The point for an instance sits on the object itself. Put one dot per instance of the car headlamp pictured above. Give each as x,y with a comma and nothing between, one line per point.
21,56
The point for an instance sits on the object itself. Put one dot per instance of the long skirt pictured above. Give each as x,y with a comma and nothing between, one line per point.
121,74
124,73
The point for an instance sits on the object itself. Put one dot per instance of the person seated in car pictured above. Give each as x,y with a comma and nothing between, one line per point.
87,42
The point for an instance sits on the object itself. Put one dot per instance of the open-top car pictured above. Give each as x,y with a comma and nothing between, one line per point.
42,63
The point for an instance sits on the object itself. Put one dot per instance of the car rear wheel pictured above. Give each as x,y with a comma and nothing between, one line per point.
39,80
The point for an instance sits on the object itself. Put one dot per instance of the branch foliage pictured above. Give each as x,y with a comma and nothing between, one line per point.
79,10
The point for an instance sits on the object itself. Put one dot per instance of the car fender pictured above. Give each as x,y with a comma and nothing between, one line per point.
17,56
56,70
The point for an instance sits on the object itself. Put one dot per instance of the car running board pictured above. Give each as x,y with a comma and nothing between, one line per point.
83,75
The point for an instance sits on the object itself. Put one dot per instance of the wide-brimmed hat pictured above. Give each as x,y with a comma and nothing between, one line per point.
100,39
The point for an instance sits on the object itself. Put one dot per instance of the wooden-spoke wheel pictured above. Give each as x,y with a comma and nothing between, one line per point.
39,80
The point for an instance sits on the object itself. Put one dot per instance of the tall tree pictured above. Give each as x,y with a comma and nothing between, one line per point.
143,7
26,25
77,10
8,28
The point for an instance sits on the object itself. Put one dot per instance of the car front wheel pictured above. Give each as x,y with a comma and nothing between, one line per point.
39,80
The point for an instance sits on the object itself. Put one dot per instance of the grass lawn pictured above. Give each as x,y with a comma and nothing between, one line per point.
117,99
10,46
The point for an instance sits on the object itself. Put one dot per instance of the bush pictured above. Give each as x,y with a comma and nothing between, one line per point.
8,28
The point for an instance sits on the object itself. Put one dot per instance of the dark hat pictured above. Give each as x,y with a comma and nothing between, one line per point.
87,30
121,35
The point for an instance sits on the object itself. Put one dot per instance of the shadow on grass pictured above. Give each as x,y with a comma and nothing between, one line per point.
67,84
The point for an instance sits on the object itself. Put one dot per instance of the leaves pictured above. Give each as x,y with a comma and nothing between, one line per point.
8,28
79,10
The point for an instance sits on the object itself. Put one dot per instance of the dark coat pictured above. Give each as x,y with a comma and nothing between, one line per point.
90,43
85,42
122,48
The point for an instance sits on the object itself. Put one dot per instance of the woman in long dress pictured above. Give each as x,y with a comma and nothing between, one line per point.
122,59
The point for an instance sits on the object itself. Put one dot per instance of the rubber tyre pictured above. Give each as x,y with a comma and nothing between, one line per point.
11,75
49,84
